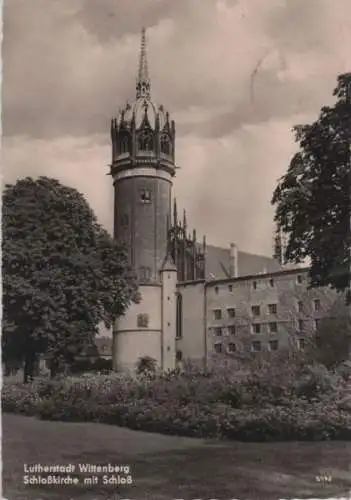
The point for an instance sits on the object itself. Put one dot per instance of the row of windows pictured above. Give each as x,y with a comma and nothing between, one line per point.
256,346
146,142
255,328
272,327
271,282
256,310
143,322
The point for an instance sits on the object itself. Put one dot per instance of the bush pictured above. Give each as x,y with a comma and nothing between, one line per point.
266,402
146,366
87,365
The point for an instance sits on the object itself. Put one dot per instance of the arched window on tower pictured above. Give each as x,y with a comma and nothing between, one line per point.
145,141
165,144
124,145
179,329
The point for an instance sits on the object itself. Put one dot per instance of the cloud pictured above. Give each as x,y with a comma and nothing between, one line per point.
236,75
81,163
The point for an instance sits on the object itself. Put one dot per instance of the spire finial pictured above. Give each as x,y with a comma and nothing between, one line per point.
175,213
143,81
185,225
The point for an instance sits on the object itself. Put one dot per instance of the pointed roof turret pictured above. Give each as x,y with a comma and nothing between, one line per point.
168,264
143,80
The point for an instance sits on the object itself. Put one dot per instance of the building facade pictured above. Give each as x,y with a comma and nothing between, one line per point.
198,301
258,313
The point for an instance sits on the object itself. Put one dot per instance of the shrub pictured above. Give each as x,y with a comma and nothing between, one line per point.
291,401
146,365
88,365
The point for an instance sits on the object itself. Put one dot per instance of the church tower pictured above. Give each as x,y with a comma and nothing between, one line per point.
142,169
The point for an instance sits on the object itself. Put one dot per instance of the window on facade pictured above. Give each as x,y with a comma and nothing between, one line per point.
273,327
299,279
145,196
231,329
317,323
179,355
231,312
230,288
217,314
231,347
179,329
273,345
218,331
256,328
146,141
301,325
272,308
254,285
317,340
218,348
256,346
216,289
165,144
300,306
143,320
145,274
255,310
271,282
317,305
302,344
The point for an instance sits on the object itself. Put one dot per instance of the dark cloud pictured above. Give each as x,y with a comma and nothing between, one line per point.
68,64
111,19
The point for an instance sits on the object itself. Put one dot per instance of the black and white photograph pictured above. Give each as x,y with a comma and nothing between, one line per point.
176,249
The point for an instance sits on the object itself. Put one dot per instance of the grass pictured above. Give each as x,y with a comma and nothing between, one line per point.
166,467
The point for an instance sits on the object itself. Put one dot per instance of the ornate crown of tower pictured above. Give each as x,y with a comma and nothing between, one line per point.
142,132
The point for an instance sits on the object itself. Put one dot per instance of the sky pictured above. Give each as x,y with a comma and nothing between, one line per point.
235,75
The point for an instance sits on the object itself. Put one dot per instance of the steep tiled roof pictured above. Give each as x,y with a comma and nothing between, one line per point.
217,263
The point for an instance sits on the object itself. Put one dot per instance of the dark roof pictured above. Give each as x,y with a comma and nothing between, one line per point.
272,274
217,263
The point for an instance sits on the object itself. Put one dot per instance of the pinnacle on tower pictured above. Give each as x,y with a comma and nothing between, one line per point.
143,80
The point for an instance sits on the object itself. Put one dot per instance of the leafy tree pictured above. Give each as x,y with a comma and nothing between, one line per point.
313,198
63,274
332,340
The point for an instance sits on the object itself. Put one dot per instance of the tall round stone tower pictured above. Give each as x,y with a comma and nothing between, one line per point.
142,169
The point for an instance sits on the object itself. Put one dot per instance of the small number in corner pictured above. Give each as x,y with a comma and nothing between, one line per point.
324,478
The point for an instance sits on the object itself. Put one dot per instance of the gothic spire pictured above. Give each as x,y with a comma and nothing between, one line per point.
175,213
143,80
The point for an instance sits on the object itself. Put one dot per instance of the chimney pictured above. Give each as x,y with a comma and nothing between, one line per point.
233,261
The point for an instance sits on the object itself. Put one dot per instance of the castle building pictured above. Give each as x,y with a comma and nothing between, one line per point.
197,301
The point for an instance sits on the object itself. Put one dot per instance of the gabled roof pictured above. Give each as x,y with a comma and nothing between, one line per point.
218,263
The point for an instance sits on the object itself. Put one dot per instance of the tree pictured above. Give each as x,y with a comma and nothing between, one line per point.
313,198
62,274
332,340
